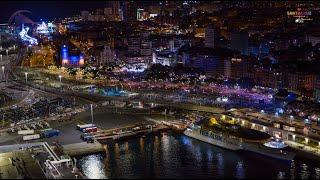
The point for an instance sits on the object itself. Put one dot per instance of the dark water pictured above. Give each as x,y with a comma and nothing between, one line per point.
178,156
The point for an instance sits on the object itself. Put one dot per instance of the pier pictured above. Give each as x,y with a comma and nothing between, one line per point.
82,148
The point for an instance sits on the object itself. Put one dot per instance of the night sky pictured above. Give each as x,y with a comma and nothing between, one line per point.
47,10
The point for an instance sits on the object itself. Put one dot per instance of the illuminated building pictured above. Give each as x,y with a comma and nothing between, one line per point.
71,59
112,11
42,28
215,62
146,48
64,55
313,36
46,29
165,58
316,91
209,37
142,15
134,45
129,11
85,15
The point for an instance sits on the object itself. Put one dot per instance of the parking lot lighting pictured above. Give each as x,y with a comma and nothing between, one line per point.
26,75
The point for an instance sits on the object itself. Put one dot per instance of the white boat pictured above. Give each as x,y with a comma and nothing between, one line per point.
214,139
270,149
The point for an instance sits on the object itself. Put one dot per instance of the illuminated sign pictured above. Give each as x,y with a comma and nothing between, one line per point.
25,37
300,14
236,59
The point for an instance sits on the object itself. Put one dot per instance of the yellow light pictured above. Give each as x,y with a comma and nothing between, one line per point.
81,62
307,140
213,121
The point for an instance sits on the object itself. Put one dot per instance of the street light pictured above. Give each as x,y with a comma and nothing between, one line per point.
1,56
60,78
91,108
7,51
26,75
2,67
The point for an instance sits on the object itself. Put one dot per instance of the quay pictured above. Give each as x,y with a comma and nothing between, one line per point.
83,148
77,149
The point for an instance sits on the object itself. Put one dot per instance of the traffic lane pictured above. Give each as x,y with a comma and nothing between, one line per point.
109,120
68,133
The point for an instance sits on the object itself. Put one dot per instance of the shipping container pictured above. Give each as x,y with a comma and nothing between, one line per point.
25,132
31,137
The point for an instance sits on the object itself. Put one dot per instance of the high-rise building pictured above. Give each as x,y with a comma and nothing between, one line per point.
134,45
171,45
129,11
209,37
146,48
107,55
114,11
85,15
239,42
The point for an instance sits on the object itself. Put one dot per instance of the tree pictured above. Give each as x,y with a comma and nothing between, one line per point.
72,71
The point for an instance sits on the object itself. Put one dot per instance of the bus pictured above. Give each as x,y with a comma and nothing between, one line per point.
90,129
84,126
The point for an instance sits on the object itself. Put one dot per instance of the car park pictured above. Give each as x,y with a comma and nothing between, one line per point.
41,107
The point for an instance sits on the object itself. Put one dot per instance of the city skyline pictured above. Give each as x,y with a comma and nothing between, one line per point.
160,89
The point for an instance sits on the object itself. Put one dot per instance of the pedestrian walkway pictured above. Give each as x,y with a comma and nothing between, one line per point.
295,145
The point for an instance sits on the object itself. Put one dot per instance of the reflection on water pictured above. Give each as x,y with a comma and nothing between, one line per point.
178,156
93,166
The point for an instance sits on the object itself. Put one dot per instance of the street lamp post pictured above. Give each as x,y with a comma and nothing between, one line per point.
4,75
60,78
91,107
2,67
7,51
26,75
1,56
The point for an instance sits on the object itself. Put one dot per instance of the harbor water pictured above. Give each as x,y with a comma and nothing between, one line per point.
177,156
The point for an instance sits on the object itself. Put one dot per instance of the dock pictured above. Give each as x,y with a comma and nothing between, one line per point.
82,148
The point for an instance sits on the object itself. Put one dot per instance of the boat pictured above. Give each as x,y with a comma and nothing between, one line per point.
272,148
267,148
210,137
